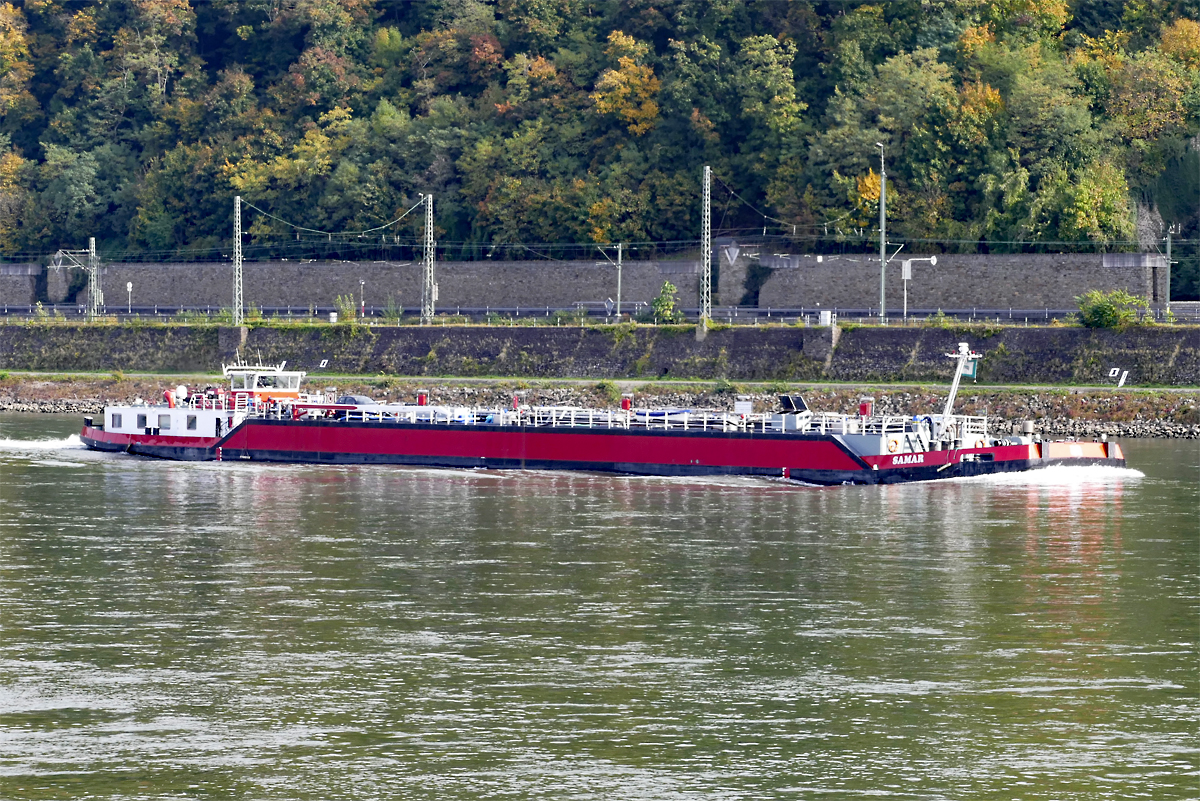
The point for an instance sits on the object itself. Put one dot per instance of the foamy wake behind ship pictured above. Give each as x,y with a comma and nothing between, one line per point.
262,415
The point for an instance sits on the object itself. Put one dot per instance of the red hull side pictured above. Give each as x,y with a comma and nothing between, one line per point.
810,458
487,446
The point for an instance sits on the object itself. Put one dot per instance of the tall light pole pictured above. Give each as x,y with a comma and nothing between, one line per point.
95,295
237,261
92,268
882,236
129,291
428,287
604,252
706,254
620,246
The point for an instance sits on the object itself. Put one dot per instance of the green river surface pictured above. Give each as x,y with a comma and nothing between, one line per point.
230,631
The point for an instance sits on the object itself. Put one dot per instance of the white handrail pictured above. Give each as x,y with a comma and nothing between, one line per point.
577,417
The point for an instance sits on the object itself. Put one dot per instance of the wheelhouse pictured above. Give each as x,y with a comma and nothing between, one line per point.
251,384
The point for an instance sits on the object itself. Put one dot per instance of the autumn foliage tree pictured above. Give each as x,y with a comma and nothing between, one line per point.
1006,123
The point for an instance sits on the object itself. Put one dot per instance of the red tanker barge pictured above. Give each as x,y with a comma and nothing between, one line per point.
263,416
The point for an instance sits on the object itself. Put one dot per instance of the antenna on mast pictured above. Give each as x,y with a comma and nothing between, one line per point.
965,356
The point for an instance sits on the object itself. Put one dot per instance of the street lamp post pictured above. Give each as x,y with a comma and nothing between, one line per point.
882,236
129,290
620,248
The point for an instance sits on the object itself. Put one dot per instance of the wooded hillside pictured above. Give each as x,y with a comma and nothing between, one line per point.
575,121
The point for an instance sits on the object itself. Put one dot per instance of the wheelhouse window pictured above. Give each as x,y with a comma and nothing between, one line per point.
164,422
116,421
141,421
191,422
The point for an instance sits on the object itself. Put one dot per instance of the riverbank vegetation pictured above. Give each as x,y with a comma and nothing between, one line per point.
1005,124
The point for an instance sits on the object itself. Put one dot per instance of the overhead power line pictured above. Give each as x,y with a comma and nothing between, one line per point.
333,233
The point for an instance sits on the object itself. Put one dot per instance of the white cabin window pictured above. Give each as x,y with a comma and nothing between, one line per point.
141,420
164,422
191,422
116,421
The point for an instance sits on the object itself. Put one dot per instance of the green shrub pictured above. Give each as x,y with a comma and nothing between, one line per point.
392,312
347,308
609,391
567,317
662,308
939,320
1115,309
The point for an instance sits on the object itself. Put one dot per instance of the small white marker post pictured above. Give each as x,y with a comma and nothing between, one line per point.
906,275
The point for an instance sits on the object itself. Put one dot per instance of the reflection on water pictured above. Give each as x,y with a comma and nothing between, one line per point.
250,631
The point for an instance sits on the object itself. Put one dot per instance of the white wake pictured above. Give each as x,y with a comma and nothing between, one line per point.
1060,475
71,443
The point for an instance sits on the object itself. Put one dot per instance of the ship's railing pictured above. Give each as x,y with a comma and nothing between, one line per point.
653,419
242,402
534,417
198,400
964,426
831,423
958,426
961,425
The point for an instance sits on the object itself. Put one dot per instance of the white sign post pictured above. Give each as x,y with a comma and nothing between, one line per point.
906,275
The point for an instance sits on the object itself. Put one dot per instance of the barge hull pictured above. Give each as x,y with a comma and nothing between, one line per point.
662,453
811,459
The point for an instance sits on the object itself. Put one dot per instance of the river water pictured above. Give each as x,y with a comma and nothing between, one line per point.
218,631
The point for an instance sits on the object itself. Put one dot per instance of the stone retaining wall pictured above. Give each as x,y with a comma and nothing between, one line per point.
1164,356
482,285
846,281
1035,281
18,283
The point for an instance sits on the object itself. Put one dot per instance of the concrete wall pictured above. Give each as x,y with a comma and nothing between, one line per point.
467,284
846,281
18,283
1032,281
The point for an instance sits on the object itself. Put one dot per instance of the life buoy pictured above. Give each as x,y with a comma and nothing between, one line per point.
980,443
892,445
